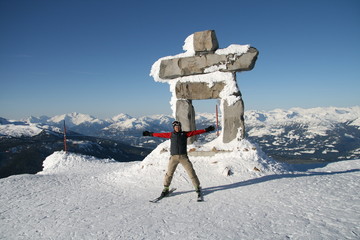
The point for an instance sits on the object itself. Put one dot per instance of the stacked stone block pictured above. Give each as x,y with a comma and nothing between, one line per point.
206,61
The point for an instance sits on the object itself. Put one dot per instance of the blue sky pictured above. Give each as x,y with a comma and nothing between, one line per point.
95,56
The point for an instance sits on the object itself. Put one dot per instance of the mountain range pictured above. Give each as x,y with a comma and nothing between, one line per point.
296,135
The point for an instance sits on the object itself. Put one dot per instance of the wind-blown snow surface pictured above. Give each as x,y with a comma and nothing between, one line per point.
81,197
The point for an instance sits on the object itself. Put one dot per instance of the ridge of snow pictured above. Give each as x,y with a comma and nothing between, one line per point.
132,123
121,117
32,119
233,49
15,130
75,119
62,162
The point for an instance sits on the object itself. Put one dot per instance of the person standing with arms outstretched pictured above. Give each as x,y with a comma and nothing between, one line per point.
178,152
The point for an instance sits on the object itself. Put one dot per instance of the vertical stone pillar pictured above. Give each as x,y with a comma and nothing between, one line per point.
233,120
185,113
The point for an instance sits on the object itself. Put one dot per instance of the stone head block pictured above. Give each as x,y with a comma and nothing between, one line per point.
205,41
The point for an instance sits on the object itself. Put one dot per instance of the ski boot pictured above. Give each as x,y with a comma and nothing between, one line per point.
199,193
165,192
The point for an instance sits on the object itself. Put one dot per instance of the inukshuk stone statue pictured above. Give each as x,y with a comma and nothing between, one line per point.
206,72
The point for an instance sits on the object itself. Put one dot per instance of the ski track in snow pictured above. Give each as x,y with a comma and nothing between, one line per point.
83,198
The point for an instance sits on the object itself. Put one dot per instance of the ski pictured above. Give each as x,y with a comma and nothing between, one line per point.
161,197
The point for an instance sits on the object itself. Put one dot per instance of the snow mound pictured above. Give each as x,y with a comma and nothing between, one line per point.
238,158
62,162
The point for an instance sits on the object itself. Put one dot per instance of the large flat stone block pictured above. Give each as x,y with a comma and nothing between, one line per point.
198,90
186,66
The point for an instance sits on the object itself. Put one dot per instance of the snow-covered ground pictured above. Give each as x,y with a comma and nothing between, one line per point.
81,197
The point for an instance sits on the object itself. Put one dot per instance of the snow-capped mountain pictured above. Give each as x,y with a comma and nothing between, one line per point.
296,134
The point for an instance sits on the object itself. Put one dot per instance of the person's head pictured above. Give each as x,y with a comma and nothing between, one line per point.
177,126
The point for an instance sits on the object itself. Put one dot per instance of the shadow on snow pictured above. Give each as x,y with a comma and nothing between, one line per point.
267,178
303,171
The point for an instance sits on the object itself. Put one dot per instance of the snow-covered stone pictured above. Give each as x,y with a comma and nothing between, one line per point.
186,115
206,72
186,66
198,90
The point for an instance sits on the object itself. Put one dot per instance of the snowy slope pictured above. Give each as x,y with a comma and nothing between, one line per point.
81,197
14,130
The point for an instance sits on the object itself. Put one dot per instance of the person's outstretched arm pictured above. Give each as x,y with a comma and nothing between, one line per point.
160,135
197,132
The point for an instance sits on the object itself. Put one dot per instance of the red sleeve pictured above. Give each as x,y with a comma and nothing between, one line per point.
196,132
162,135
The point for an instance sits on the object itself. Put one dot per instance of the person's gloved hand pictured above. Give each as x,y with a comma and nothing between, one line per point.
147,133
210,128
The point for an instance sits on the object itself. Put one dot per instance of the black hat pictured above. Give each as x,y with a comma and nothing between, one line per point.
176,123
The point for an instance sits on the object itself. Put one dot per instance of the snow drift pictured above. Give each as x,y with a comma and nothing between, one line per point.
66,163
